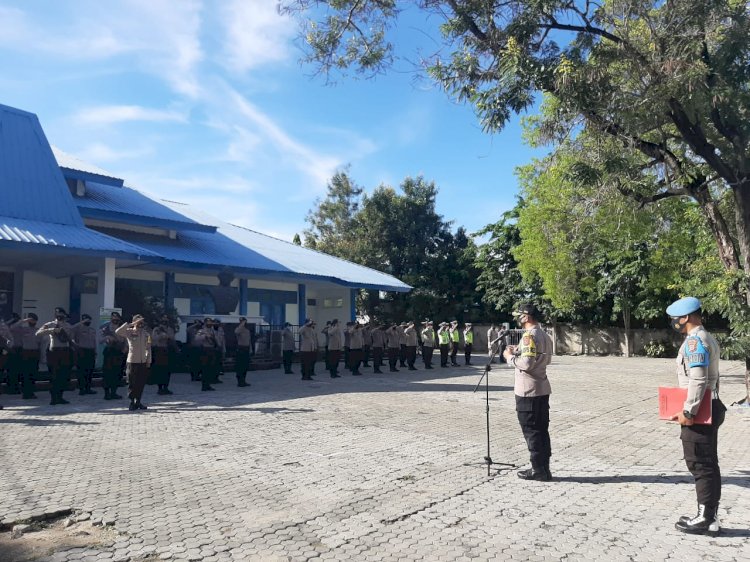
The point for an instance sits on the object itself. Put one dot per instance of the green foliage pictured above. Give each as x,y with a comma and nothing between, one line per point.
660,348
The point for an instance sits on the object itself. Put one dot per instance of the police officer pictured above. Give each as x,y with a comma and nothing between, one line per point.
59,336
493,349
139,359
377,334
208,352
455,340
287,348
356,348
193,350
428,343
367,337
221,346
242,359
468,343
6,346
308,349
113,356
402,343
411,345
84,337
444,338
532,390
335,343
162,343
26,353
698,371
393,335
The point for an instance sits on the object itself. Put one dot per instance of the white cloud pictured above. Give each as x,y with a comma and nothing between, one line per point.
108,114
256,34
100,152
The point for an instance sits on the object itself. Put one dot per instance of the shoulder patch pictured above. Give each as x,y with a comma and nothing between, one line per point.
696,354
527,345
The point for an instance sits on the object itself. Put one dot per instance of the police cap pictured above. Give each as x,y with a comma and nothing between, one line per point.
527,308
683,307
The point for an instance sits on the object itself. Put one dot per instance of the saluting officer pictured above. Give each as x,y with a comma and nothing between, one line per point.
287,348
84,337
356,348
698,371
468,343
428,343
242,359
6,345
308,349
378,347
444,338
138,360
532,390
193,350
26,346
411,345
393,335
493,344
162,338
208,354
113,356
402,343
455,340
367,338
335,342
59,334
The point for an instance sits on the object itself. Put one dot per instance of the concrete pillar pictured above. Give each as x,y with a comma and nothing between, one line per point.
169,289
302,303
243,296
106,292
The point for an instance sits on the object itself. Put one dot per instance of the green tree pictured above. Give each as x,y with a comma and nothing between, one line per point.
669,82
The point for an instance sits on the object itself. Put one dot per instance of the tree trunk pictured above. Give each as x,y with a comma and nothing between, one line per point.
626,324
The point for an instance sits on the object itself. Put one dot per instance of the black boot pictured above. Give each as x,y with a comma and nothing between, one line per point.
107,394
535,474
241,381
705,522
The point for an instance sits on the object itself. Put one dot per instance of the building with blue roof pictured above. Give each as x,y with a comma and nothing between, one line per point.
76,236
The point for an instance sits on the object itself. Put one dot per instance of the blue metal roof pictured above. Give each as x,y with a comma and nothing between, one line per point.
129,206
15,231
202,250
76,169
32,186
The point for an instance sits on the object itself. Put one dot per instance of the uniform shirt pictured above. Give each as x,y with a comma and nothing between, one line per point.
698,367
243,336
411,336
347,338
287,339
6,338
111,338
455,338
221,338
139,343
401,335
378,338
533,354
469,337
356,338
394,337
309,339
367,335
59,334
190,333
492,334
160,337
24,337
444,336
205,338
428,337
84,336
335,338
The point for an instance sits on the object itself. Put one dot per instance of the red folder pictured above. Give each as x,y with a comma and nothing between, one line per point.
672,402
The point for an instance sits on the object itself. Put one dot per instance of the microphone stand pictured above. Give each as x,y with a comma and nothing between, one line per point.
486,376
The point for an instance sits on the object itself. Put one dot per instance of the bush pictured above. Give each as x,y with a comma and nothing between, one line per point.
661,348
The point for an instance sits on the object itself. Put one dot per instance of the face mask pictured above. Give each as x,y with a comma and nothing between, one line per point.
60,318
520,320
87,323
676,325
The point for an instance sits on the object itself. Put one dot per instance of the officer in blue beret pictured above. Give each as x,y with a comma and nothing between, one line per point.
698,371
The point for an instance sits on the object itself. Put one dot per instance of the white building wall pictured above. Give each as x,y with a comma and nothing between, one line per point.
292,313
41,294
274,285
322,313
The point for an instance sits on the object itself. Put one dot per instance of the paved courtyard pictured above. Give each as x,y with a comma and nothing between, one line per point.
378,467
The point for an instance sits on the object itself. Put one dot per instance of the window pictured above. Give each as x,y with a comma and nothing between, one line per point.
333,303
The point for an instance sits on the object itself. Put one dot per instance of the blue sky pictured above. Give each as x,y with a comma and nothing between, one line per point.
206,102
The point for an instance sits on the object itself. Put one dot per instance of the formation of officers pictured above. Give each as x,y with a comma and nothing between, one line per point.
357,344
131,351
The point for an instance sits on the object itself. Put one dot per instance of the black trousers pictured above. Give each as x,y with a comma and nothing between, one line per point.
700,447
308,363
333,356
454,352
427,352
111,368
411,356
533,416
443,354
137,375
59,364
210,365
366,358
286,356
467,353
393,357
242,362
355,360
402,355
159,372
28,368
85,361
377,358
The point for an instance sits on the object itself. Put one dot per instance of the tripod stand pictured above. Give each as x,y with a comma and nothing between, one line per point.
486,376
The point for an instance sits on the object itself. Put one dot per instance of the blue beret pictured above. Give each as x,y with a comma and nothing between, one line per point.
683,307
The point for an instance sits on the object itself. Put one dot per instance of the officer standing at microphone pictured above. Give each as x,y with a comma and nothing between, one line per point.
532,389
698,371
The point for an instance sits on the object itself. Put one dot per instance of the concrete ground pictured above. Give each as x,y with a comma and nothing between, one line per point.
377,467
